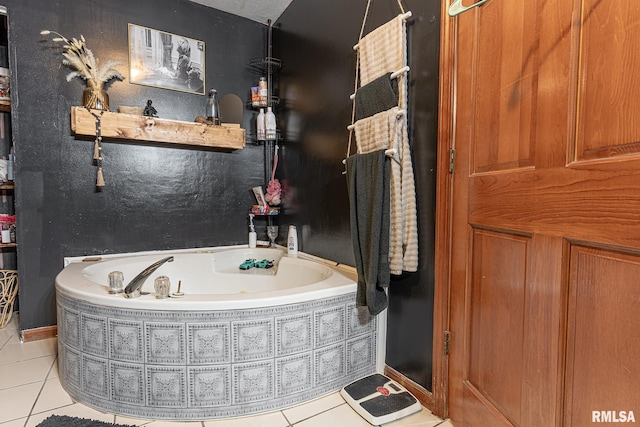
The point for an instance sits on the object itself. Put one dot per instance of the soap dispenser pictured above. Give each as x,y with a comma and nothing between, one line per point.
253,237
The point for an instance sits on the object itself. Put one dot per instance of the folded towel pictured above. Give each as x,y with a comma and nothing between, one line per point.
376,96
384,131
383,50
368,185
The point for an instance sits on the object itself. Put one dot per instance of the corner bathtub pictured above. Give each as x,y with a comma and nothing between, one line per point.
237,343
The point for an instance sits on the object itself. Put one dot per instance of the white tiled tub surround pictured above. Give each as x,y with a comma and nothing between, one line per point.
186,364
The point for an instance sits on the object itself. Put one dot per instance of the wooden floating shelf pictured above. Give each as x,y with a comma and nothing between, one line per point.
141,128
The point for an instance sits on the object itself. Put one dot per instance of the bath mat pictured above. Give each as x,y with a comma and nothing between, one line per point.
65,421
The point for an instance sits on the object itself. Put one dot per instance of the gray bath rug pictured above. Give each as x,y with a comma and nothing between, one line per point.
65,421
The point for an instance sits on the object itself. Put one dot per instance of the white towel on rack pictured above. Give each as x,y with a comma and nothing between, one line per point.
383,50
384,131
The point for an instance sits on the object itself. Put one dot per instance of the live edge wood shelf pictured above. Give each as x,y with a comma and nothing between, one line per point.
141,128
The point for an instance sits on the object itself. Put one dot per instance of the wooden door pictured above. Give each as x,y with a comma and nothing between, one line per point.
545,241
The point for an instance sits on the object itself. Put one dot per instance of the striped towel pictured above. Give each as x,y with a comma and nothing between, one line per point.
382,131
382,51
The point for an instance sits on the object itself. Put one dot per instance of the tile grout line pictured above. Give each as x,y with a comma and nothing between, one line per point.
286,419
41,388
317,413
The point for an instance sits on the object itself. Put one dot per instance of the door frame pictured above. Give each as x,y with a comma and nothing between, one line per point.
444,211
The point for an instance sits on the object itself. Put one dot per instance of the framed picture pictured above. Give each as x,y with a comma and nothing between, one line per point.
166,60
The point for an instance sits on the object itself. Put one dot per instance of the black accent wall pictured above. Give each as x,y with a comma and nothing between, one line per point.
315,40
157,196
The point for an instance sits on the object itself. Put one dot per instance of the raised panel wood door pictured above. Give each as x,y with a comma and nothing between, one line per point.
545,249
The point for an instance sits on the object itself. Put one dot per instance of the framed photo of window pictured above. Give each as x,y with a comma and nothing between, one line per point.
166,60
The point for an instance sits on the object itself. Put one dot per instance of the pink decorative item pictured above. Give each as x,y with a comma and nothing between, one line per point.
274,189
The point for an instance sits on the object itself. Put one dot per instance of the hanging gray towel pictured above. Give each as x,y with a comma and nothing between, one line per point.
376,96
368,177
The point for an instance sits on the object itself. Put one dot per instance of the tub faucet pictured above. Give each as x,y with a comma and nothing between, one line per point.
133,288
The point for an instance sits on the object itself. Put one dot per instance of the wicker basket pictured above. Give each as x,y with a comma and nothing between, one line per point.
8,293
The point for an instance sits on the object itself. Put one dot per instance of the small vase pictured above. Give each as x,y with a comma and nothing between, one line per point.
95,98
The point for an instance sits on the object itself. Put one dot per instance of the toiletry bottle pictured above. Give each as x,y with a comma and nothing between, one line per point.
253,237
270,124
260,126
212,107
264,92
292,241
10,165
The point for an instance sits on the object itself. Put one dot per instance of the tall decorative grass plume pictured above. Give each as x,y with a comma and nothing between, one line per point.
83,63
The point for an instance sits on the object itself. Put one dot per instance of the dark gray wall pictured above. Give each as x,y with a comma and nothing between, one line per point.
157,196
315,40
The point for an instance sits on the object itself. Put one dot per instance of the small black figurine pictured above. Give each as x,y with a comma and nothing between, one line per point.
149,110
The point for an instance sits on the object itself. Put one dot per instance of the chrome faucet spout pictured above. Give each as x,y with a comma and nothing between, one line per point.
133,288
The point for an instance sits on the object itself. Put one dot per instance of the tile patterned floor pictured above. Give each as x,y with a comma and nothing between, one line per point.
30,392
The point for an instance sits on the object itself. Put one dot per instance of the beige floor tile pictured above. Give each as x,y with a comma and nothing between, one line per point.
131,421
17,352
342,416
51,397
18,401
423,418
53,373
25,372
15,423
447,423
8,336
273,419
75,410
174,424
307,410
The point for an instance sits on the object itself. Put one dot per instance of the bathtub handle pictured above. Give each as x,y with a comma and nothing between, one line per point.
133,288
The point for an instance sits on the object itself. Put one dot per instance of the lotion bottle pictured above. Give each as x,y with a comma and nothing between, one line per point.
270,124
292,241
260,126
253,237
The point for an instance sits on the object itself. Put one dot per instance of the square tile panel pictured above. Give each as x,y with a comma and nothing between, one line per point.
294,374
253,382
329,325
166,386
360,321
329,364
360,353
208,343
94,376
94,335
71,328
126,340
127,383
252,340
71,365
294,334
165,343
210,386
